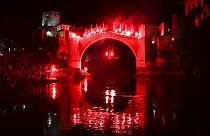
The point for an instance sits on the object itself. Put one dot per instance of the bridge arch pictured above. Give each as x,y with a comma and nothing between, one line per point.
95,59
105,38
80,45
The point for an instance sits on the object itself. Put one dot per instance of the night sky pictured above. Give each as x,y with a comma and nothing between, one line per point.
86,12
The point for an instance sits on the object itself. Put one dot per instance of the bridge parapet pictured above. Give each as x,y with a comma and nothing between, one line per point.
118,28
85,41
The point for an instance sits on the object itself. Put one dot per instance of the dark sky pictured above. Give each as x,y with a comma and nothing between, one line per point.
85,12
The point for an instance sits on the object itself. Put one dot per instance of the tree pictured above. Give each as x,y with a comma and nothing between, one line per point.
194,50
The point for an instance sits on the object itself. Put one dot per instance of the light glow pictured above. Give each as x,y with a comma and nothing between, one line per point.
136,34
110,96
24,107
53,69
1,54
128,33
53,91
112,100
107,92
172,38
113,93
85,85
53,72
107,54
107,99
112,54
85,69
49,34
74,35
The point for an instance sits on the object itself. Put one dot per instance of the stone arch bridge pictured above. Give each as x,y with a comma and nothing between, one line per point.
77,45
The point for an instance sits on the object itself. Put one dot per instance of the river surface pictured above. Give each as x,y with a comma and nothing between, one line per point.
110,106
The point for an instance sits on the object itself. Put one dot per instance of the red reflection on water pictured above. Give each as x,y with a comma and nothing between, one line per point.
102,120
53,91
106,53
110,96
77,110
107,99
70,104
141,100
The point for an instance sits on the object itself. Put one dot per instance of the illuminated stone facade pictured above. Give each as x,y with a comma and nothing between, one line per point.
63,32
50,18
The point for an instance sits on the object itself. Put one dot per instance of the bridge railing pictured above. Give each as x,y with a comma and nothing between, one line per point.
137,32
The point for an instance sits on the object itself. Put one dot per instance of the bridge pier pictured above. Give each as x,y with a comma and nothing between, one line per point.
74,60
140,64
75,63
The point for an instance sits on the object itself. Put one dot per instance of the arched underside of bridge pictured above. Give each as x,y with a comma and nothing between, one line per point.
98,59
79,46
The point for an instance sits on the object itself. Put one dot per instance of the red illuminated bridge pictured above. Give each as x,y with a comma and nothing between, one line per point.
135,40
74,45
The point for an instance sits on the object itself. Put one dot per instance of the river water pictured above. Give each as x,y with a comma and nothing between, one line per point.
106,106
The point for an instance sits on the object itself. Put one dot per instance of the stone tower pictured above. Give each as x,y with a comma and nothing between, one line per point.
50,18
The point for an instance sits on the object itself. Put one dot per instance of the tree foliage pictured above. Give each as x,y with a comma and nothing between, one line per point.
194,48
